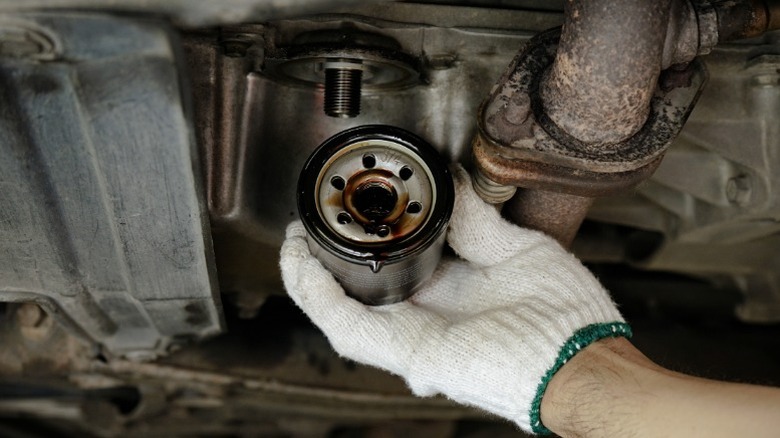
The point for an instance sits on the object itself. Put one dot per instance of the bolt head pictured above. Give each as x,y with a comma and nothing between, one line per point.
738,190
518,109
30,315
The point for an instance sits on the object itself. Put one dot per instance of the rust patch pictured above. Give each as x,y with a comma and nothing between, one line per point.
509,171
552,158
746,19
556,214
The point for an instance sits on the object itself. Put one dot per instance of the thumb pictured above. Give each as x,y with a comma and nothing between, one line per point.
477,231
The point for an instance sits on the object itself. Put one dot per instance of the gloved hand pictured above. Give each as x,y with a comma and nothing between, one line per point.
488,330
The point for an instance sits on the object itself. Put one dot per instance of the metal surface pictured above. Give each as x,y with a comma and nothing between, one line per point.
492,161
599,88
345,63
490,191
373,183
714,198
746,18
101,218
599,102
343,80
275,375
375,201
254,153
556,214
709,214
272,375
188,13
583,113
509,138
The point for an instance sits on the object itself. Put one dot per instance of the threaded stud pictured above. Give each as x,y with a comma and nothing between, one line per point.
489,190
343,88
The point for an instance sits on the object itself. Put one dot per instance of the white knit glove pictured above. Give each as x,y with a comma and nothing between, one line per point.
488,331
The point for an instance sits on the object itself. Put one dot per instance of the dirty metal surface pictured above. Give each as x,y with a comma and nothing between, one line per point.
746,18
273,373
714,199
535,137
490,159
256,133
276,375
34,344
101,217
188,13
260,130
556,214
712,202
599,87
607,108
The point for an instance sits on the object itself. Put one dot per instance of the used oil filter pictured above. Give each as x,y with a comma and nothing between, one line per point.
375,201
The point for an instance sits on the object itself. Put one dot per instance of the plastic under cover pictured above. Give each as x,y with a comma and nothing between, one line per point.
101,217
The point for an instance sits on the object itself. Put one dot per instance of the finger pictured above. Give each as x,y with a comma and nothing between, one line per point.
365,334
295,229
477,231
309,284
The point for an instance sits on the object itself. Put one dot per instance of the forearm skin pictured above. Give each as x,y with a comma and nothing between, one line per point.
611,389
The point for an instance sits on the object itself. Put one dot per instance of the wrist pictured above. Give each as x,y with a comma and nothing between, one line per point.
608,376
576,343
611,389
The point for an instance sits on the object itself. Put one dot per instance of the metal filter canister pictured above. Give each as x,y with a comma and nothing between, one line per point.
375,201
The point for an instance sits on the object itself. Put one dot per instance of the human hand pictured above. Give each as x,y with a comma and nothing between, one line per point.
488,330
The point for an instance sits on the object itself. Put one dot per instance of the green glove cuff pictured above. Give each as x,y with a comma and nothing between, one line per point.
579,340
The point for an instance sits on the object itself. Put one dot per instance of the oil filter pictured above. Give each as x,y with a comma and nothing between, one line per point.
375,201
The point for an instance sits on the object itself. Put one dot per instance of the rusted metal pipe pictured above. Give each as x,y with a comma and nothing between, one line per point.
611,53
594,102
556,214
609,59
746,19
597,91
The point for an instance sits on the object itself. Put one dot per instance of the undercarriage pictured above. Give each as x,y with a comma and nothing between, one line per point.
151,154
